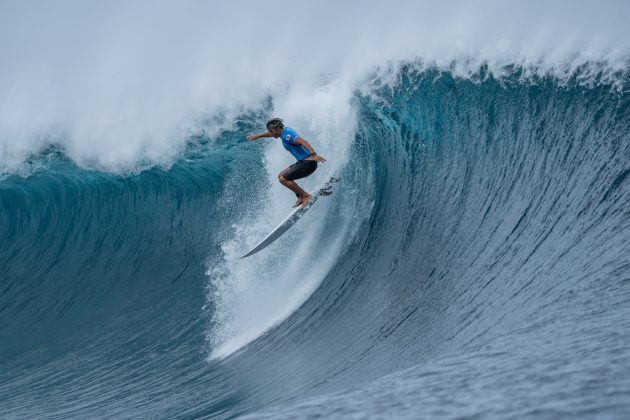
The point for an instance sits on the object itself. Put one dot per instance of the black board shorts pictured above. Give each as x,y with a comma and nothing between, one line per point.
300,169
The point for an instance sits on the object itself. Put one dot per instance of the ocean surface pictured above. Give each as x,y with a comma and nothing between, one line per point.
472,262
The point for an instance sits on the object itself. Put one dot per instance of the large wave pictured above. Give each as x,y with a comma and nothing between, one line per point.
472,260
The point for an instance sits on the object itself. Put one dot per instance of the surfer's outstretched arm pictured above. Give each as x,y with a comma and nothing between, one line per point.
254,137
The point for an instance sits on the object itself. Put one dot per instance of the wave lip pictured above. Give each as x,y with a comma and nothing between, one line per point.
113,96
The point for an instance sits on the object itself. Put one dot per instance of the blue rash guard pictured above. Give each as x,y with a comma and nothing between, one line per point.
288,137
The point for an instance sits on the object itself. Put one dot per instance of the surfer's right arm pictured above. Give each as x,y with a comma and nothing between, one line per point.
254,137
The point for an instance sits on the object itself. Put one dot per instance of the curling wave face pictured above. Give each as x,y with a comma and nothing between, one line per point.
488,218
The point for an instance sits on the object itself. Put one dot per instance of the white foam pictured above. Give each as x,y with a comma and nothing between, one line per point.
120,83
254,294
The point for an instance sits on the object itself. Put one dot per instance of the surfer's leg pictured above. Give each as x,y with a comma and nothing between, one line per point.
292,185
298,170
303,196
297,193
305,199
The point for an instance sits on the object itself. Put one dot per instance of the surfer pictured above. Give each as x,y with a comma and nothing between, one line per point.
301,149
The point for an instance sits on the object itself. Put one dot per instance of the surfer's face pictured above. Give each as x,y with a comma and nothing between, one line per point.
275,131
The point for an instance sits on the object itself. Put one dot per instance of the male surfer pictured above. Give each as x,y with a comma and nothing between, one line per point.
301,149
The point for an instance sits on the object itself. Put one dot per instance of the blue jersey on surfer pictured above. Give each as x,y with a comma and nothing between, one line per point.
301,149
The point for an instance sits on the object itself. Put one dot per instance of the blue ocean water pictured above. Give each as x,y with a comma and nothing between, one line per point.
486,274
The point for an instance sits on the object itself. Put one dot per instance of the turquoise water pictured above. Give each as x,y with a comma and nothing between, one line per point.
487,272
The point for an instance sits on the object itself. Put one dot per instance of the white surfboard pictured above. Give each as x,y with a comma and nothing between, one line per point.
293,217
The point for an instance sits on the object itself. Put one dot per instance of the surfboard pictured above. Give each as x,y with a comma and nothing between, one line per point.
292,218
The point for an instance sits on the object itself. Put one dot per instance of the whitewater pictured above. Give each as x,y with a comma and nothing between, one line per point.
473,260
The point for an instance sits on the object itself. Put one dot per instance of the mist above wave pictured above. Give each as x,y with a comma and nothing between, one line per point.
118,84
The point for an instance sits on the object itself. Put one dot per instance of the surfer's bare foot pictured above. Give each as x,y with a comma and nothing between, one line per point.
305,199
297,203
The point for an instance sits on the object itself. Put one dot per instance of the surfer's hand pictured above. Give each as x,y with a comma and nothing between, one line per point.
252,137
319,158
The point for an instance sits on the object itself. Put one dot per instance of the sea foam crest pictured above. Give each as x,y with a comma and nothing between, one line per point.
119,85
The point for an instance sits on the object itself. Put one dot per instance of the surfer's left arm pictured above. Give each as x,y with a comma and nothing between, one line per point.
307,145
254,137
